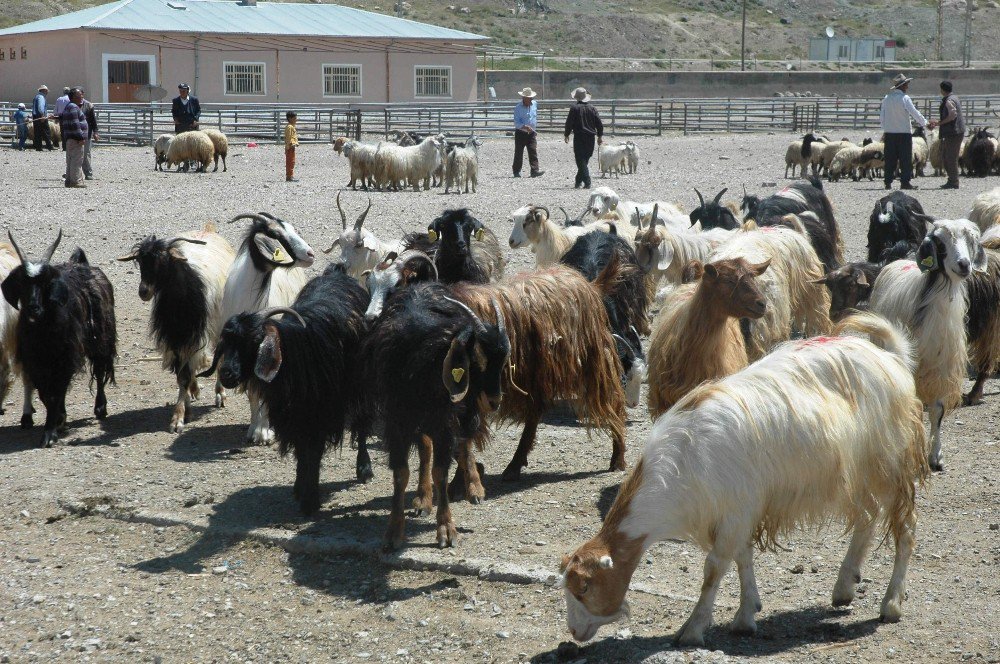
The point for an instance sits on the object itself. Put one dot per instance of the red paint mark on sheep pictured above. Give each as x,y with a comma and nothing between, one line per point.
816,341
909,266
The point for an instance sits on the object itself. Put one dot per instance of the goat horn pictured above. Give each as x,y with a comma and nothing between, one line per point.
424,257
185,239
624,341
700,197
52,248
20,254
248,215
585,212
718,196
744,190
476,321
565,214
274,311
361,220
343,217
542,207
501,323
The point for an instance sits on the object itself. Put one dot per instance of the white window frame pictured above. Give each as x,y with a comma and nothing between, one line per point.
225,80
105,57
361,79
451,82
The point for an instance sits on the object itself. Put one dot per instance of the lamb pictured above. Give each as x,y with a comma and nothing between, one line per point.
304,369
980,153
768,427
8,327
845,162
928,298
188,147
821,227
184,276
663,253
896,217
605,204
160,148
920,151
360,249
872,160
697,337
611,159
220,142
548,240
631,157
986,209
464,166
67,318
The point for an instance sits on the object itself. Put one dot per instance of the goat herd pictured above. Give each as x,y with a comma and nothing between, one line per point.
761,422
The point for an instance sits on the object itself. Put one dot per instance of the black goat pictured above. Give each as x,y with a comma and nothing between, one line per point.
897,217
432,366
303,367
749,204
823,232
851,284
67,318
713,215
980,153
449,243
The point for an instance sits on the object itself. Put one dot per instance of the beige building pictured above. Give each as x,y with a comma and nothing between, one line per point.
239,52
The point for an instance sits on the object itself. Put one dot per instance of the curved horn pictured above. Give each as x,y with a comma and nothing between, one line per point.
248,215
343,217
274,311
700,197
422,256
476,321
542,207
718,196
565,214
184,239
20,254
744,190
585,212
52,248
361,220
501,323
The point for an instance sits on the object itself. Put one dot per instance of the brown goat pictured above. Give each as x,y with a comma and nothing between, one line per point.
983,321
850,286
561,349
696,336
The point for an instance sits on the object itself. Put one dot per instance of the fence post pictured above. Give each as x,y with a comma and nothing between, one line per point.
151,122
659,119
613,117
685,118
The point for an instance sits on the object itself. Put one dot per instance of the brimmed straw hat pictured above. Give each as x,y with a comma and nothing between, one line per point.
528,93
580,94
43,87
899,81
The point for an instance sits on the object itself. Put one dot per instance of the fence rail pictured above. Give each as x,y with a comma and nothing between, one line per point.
139,124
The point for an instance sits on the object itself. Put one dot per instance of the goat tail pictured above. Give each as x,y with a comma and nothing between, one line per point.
882,333
210,227
611,277
79,257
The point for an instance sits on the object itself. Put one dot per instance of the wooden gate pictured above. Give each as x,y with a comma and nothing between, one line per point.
805,117
124,77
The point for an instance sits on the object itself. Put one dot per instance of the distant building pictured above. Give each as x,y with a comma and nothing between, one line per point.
231,51
850,49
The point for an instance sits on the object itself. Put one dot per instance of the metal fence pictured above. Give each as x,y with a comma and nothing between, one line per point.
139,124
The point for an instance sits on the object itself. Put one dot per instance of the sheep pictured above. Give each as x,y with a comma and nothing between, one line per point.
794,158
449,242
814,155
935,155
845,162
983,320
696,335
303,367
986,209
160,148
829,152
605,204
920,151
794,302
220,142
611,159
361,157
821,227
980,153
872,160
67,318
454,363
714,215
55,132
632,157
896,217
188,147
464,166
8,327
548,240
664,253
963,154
185,277
268,271
928,298
752,457
360,249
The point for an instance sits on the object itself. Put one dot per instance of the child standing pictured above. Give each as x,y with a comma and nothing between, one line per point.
291,141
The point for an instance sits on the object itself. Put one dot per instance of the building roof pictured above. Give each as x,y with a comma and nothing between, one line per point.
230,17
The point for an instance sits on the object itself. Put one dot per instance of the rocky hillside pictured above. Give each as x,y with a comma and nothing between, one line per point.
776,29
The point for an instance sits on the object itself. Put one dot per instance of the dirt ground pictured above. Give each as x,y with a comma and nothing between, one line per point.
129,544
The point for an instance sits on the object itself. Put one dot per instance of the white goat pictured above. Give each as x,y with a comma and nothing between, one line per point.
267,272
820,430
928,297
360,250
663,252
632,157
411,164
611,159
361,157
986,209
548,240
604,203
8,332
463,166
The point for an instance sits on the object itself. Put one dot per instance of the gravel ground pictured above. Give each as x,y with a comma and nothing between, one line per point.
95,569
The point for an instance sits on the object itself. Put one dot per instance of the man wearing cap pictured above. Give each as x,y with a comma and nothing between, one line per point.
585,125
40,120
951,129
73,124
525,121
185,109
21,126
897,109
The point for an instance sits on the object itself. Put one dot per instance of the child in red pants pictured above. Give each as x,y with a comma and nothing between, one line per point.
291,141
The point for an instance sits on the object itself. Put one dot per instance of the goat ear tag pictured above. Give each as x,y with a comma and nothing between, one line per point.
432,235
457,373
480,234
928,263
272,250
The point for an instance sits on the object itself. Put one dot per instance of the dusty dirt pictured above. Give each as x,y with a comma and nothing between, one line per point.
127,543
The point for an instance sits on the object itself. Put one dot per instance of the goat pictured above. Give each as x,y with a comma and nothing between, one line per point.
928,298
303,369
980,153
412,164
983,321
605,204
360,249
433,367
612,159
713,215
268,271
67,318
8,327
896,217
449,242
548,240
463,166
850,286
662,252
752,457
184,277
632,157
822,229
749,204
986,209
361,157
696,336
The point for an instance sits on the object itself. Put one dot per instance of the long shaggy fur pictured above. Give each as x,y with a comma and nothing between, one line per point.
986,209
191,146
8,326
980,153
658,242
548,240
822,231
896,217
220,142
983,321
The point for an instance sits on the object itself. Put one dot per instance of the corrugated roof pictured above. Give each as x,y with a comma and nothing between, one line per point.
230,17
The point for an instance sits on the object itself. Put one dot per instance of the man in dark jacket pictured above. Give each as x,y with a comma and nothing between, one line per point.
40,120
585,125
73,124
88,112
185,109
951,129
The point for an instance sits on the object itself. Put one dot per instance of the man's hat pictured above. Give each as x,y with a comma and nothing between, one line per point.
528,93
899,81
43,87
183,86
21,106
580,94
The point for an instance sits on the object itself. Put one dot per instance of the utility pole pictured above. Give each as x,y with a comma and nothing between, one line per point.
743,39
967,49
940,29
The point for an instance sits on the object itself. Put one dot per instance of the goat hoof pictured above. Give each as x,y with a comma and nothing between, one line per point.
220,401
392,542
364,473
969,400
935,465
101,412
617,464
49,438
27,421
447,535
511,474
309,504
176,427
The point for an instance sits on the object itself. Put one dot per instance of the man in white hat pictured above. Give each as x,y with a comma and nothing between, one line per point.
585,125
897,109
40,120
525,121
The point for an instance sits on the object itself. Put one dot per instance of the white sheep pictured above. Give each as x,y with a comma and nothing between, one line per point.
360,249
920,152
829,152
611,158
794,158
820,430
986,209
845,162
463,166
191,146
160,148
935,155
928,297
221,144
605,203
548,240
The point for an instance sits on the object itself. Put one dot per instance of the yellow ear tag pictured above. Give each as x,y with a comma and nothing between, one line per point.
278,256
432,235
929,261
457,374
479,234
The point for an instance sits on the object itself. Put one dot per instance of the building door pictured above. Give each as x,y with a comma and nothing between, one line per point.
124,77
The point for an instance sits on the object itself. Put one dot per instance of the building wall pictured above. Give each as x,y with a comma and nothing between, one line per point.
55,59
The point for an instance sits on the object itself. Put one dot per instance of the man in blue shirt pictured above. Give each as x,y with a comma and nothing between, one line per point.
525,120
40,120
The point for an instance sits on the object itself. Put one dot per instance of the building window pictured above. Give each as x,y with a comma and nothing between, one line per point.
880,52
13,53
842,51
341,80
245,78
24,52
432,81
